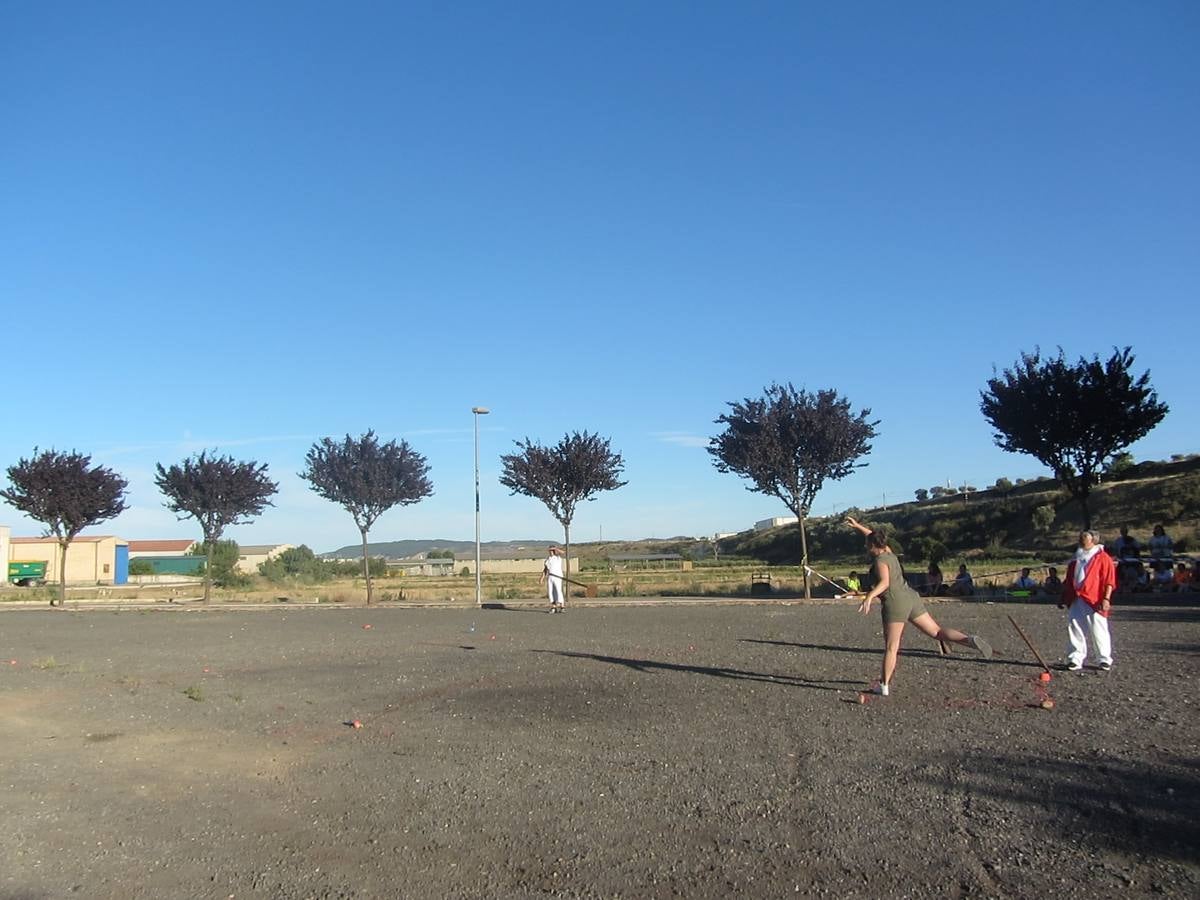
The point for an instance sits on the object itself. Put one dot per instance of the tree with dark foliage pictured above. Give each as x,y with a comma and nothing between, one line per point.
788,443
367,478
1071,417
580,466
67,494
216,491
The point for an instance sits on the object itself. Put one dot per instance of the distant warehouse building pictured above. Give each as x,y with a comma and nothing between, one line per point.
140,549
511,563
420,566
178,557
253,555
102,559
167,557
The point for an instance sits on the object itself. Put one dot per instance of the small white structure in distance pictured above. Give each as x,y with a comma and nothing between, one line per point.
775,522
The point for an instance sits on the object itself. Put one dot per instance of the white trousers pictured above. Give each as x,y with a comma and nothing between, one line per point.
1085,622
554,590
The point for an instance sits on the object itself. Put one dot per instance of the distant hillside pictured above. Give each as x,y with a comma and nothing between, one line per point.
993,522
461,549
1001,523
492,549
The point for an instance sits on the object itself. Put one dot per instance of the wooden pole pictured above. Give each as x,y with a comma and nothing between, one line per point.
1029,643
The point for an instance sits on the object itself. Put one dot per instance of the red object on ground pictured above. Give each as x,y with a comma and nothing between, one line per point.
356,724
366,628
1044,677
862,698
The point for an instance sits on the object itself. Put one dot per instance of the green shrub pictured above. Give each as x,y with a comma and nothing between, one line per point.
1042,518
1120,464
927,548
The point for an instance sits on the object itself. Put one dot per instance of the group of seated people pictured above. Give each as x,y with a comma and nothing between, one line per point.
963,584
935,585
1159,571
1027,585
1164,572
1133,576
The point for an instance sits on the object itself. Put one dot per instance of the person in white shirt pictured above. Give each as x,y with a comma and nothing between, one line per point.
1026,582
552,577
1161,546
1125,547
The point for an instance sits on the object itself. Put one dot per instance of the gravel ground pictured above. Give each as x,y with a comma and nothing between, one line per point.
645,751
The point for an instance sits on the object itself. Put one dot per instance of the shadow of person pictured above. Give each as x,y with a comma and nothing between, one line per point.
649,666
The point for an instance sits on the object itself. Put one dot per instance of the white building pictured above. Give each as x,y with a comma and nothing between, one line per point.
251,555
776,522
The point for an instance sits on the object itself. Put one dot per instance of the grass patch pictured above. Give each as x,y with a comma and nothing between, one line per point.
194,692
46,662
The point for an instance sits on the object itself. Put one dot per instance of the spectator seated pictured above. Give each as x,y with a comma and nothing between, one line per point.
1025,582
1182,582
1131,576
1164,579
1052,586
964,584
1161,545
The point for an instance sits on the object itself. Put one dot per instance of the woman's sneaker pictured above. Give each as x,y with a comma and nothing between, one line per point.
978,643
880,689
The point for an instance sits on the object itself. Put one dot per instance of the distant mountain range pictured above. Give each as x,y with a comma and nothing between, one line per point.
463,549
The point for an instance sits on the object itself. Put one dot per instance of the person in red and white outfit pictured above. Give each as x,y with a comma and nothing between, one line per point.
1087,593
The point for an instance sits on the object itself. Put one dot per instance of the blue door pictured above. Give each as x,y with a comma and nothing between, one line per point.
121,574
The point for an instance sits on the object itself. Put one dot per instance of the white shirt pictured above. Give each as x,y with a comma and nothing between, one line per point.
554,565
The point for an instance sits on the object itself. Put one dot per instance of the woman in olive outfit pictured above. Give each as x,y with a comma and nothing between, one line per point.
900,604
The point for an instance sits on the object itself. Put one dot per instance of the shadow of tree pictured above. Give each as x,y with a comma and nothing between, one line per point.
1189,649
649,665
1175,615
1141,807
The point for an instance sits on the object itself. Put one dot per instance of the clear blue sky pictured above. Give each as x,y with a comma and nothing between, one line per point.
248,226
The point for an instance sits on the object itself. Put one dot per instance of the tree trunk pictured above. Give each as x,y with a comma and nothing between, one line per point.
566,585
62,572
208,555
1080,487
804,558
366,565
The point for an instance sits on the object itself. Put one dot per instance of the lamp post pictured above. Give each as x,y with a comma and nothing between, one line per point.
478,411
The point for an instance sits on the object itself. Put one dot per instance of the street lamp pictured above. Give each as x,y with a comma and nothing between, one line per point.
478,411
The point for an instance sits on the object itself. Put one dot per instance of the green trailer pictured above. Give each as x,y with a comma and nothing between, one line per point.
27,573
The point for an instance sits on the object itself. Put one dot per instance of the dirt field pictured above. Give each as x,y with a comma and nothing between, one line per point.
656,751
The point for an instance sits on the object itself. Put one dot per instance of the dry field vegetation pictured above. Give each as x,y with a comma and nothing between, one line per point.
450,590
732,581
